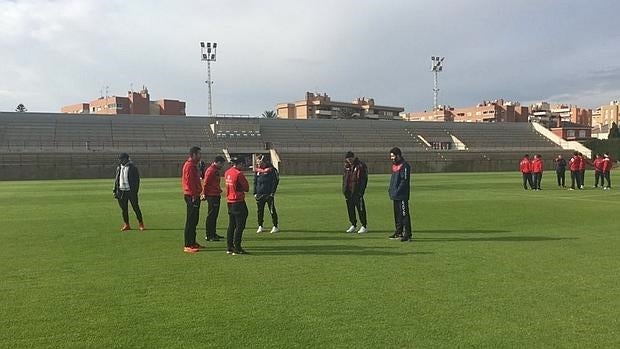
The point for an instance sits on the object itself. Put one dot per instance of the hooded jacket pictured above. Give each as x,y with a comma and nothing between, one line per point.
354,178
133,176
266,180
400,181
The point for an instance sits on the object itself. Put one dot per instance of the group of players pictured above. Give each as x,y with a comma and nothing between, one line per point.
195,190
532,171
354,182
202,183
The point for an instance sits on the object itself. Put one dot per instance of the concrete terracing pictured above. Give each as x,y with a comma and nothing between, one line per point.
85,146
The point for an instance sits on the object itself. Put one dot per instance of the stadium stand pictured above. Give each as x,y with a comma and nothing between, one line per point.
39,145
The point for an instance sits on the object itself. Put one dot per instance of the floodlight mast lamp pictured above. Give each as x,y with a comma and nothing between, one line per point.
436,67
208,54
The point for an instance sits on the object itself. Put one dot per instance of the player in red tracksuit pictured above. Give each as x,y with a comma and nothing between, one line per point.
574,164
582,170
537,171
598,170
236,187
525,166
606,167
212,194
192,189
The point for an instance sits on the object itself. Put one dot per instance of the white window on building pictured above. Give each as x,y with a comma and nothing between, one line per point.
570,133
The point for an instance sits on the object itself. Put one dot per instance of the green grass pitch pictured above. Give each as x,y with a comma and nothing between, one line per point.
492,266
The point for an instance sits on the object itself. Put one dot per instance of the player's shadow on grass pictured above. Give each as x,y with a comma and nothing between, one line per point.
332,250
312,231
310,235
461,231
491,239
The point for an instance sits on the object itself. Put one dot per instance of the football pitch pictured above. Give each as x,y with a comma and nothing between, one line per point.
491,266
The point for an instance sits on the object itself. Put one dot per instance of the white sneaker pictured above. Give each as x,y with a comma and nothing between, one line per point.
260,229
351,229
274,230
362,230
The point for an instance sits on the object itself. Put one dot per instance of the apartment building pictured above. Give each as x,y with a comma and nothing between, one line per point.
553,116
315,106
442,114
135,103
573,114
606,114
487,111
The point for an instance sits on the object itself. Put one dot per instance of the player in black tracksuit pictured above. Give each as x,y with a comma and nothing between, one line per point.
266,179
126,187
399,193
354,182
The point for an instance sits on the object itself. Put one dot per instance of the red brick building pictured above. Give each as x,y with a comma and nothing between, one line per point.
135,103
322,106
487,111
571,131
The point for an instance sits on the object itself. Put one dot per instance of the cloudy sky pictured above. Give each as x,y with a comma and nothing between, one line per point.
61,52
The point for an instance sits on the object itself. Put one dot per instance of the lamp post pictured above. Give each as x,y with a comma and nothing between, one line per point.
208,54
436,67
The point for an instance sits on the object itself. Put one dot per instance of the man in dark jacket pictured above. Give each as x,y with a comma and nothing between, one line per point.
126,187
266,179
605,168
560,170
399,194
354,182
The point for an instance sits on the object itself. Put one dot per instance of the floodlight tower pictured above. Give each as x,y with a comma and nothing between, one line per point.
208,54
436,67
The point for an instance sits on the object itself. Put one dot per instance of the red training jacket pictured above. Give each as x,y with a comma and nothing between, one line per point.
598,164
582,164
537,166
211,185
191,179
606,166
525,166
236,185
574,163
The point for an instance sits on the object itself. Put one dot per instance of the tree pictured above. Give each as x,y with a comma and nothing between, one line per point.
269,114
614,132
21,108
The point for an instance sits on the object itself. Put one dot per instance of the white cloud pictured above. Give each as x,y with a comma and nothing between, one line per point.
60,52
